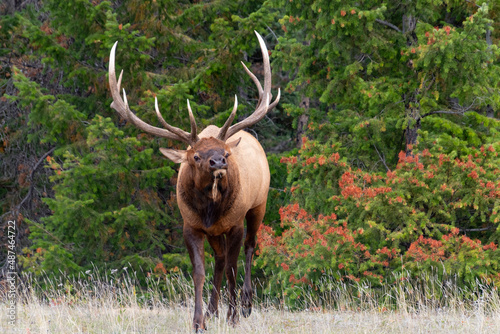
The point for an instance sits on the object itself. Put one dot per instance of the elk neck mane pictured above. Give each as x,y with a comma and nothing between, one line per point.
200,201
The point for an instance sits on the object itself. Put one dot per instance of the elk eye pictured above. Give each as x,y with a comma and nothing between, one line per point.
196,158
227,155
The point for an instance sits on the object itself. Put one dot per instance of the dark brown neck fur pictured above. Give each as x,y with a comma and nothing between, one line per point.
200,201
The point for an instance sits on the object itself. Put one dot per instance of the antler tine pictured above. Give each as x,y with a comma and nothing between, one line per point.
265,96
139,123
120,80
225,127
256,82
267,65
121,106
114,86
259,113
183,135
194,136
275,102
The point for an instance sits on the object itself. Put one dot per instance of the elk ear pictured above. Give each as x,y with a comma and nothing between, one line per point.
234,143
177,156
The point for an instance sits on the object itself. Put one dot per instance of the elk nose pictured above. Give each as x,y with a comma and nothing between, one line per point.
218,162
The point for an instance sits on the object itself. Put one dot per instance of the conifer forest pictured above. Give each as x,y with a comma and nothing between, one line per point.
383,149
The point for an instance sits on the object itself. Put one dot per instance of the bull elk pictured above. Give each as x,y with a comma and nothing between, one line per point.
223,180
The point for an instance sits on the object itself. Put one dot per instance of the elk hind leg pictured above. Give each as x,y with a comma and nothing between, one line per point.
254,219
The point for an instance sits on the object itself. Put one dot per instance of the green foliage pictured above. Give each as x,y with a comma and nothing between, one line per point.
111,197
106,207
434,210
347,205
360,211
52,120
374,78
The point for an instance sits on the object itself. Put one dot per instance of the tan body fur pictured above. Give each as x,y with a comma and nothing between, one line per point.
242,195
251,161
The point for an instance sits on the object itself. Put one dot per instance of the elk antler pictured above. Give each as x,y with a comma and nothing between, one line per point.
265,96
121,106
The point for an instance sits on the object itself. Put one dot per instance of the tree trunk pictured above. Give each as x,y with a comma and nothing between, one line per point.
302,122
412,106
9,7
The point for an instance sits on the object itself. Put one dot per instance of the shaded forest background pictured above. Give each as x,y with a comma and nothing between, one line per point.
383,149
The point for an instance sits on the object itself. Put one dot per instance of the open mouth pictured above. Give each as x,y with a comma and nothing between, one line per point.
219,173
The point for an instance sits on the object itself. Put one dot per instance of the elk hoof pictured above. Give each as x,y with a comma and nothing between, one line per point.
246,303
232,318
200,329
246,311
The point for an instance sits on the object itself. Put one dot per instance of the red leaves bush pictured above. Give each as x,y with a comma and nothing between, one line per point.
434,211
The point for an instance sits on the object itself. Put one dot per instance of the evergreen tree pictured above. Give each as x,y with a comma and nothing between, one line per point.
398,168
110,196
364,82
379,71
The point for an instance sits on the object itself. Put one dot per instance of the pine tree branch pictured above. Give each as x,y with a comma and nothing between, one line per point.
482,229
488,32
459,110
16,209
474,3
449,112
30,191
381,158
272,32
390,25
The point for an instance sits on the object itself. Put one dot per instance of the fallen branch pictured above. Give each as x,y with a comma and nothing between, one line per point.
390,25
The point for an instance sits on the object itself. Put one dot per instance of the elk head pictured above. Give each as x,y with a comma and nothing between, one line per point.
209,160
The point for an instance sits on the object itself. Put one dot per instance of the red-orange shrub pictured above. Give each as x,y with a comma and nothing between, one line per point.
433,210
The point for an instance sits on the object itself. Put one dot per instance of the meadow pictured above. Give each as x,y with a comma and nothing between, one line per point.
114,304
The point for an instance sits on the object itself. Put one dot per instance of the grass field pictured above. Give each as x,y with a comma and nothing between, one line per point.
112,305
95,318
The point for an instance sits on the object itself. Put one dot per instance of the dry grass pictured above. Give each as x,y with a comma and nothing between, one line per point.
111,305
36,318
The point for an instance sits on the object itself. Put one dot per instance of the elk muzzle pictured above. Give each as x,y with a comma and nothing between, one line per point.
217,161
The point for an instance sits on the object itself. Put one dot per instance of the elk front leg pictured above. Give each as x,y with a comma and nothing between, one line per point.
219,246
194,243
233,246
254,218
